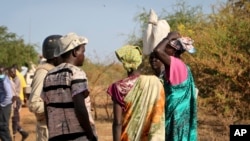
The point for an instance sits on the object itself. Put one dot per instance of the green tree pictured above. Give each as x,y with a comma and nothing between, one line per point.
13,50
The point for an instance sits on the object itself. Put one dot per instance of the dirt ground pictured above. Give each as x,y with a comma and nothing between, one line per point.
211,126
28,123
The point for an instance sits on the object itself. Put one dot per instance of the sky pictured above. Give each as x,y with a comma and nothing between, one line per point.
106,23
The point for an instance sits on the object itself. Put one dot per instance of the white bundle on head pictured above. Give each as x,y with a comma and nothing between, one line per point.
155,32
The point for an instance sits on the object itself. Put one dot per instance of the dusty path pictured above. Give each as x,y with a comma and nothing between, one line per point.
211,126
28,122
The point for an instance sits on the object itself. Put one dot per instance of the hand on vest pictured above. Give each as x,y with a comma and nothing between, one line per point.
40,117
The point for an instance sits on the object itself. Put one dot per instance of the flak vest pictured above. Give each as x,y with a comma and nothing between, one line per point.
61,118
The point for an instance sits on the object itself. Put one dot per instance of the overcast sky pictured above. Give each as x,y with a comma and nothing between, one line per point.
106,23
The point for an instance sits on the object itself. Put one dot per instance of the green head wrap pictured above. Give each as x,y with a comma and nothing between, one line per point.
129,56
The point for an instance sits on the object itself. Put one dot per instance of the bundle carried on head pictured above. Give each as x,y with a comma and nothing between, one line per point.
155,32
180,43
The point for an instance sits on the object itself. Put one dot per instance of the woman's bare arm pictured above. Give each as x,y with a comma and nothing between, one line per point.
117,121
161,53
160,49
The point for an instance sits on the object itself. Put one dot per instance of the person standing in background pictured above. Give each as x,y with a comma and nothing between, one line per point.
5,105
17,106
181,101
14,94
23,85
36,104
65,92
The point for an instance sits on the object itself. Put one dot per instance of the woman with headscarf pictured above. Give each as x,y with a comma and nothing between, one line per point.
138,101
181,111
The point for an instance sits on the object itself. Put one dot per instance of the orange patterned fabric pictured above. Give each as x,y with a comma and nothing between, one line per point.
144,115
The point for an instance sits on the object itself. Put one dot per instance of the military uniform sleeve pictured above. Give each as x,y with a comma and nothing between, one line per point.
36,104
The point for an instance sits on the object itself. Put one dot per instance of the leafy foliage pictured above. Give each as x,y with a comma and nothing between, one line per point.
221,65
13,50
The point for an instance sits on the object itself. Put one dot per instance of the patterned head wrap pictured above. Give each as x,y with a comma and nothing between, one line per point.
130,57
183,44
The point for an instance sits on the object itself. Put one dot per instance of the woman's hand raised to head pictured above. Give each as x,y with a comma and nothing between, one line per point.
173,35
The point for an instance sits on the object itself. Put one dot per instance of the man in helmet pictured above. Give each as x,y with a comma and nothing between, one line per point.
36,104
66,94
